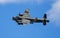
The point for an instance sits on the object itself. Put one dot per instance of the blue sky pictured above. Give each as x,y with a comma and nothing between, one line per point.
10,29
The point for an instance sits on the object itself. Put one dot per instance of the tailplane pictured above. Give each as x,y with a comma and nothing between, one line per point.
45,19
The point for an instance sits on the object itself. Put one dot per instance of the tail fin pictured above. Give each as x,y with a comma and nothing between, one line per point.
45,19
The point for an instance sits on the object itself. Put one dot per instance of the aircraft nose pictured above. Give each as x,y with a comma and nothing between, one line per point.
14,18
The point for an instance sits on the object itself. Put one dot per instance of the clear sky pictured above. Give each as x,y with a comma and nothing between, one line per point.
10,29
